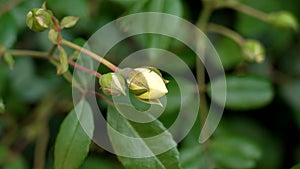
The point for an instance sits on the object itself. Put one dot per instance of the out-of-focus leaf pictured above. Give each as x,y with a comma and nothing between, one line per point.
243,127
229,52
14,163
3,78
94,162
8,30
3,153
141,146
25,83
265,31
20,10
9,60
245,92
72,142
296,166
69,7
2,106
194,157
173,7
290,91
17,163
235,153
126,3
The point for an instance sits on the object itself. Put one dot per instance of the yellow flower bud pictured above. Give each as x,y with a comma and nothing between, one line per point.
147,83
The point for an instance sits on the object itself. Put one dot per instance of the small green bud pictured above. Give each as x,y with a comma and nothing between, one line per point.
38,19
112,84
254,51
283,19
147,84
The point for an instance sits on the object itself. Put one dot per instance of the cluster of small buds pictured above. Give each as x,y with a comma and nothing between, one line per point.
146,83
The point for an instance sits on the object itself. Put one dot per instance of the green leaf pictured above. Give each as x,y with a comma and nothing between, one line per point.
16,163
9,60
4,150
139,145
194,157
25,83
69,21
94,162
296,166
8,30
63,58
72,142
229,52
290,92
280,39
234,153
69,7
2,106
244,92
173,7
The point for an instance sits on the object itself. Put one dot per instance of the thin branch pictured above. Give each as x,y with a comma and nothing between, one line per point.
248,10
45,55
91,54
77,66
102,96
226,32
34,54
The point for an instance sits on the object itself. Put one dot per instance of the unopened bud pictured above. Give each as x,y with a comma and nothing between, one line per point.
147,84
283,19
254,51
38,19
112,84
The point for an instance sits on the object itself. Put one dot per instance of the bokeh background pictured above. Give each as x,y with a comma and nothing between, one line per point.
266,136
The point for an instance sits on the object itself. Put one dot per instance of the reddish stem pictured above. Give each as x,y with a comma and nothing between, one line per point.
77,66
102,96
58,28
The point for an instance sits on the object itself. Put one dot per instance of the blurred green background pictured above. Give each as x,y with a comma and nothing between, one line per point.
262,137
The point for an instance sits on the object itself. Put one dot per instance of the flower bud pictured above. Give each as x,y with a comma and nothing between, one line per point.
283,19
147,84
38,19
254,51
112,84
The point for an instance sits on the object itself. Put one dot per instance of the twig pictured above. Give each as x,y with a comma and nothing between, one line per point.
225,32
77,66
91,54
248,10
